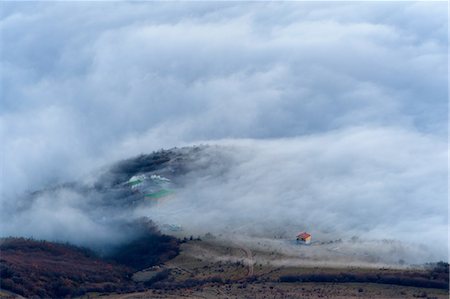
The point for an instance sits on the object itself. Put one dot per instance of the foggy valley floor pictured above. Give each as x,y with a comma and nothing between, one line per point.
135,223
207,268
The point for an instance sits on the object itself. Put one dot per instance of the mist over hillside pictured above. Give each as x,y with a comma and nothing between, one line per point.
251,121
263,191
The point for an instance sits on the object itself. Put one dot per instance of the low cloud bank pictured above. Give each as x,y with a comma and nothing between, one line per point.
327,120
383,187
376,184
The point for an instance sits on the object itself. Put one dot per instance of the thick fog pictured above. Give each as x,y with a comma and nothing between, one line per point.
333,116
373,184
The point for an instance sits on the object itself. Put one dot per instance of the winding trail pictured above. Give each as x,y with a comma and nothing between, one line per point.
249,255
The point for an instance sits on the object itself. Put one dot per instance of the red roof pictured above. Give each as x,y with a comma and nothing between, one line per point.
304,235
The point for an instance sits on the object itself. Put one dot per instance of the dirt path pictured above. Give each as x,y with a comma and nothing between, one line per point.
249,255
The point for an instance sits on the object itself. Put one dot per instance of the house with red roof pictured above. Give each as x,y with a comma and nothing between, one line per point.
304,238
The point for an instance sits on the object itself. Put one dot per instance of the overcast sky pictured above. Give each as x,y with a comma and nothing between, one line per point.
85,84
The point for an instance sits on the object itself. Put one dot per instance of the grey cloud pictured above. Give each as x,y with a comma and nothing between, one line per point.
84,84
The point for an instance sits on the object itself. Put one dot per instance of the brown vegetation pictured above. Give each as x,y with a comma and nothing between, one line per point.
45,269
412,279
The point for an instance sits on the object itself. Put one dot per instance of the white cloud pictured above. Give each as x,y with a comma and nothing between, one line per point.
370,182
84,84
